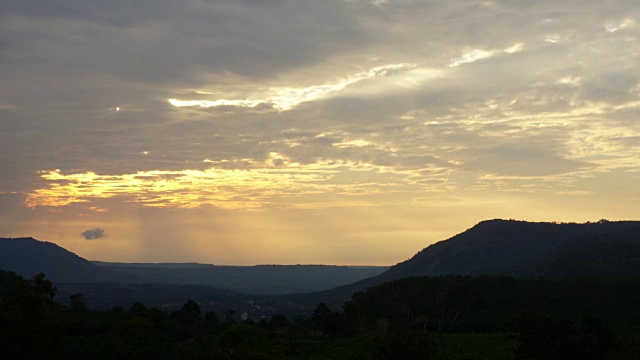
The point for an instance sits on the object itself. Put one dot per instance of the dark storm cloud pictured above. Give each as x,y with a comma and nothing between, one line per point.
178,41
93,234
117,12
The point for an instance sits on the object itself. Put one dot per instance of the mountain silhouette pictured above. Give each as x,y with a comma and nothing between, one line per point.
521,249
603,249
513,248
28,256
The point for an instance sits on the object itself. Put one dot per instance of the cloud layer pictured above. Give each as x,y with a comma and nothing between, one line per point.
296,105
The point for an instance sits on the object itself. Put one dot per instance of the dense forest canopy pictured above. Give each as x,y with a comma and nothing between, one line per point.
451,317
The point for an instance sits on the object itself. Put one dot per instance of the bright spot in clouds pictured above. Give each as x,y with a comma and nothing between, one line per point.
275,181
216,103
611,27
286,98
479,54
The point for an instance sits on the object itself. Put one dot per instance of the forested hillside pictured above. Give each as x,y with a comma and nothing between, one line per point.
525,249
28,256
445,318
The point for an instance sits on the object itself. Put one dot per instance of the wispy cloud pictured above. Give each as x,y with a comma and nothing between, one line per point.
479,54
287,98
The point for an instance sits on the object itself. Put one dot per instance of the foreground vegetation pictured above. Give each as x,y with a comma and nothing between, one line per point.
448,318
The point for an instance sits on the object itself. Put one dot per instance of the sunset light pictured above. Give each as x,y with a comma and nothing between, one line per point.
351,132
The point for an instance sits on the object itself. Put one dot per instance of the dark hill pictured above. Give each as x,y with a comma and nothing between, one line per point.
508,247
596,256
521,249
27,257
259,279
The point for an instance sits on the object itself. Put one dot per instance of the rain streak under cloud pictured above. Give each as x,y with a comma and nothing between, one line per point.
351,132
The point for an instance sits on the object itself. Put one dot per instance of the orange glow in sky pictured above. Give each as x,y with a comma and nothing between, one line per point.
337,132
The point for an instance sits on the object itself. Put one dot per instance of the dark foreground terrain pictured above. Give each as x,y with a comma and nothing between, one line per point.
451,317
501,290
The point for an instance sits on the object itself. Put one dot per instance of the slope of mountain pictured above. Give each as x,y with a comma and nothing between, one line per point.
493,247
520,249
506,247
597,256
28,256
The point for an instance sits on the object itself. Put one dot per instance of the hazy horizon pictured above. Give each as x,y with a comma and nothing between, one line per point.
343,132
231,265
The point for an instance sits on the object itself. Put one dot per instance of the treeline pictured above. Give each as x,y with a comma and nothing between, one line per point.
546,319
442,318
491,303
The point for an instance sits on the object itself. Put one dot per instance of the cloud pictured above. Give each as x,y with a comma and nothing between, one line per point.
93,234
286,98
229,184
163,41
338,89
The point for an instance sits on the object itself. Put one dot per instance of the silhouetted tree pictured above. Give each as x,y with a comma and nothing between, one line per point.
26,313
279,321
210,321
228,316
137,309
351,318
326,320
187,321
76,302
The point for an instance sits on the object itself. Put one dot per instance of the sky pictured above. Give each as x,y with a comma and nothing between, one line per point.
354,132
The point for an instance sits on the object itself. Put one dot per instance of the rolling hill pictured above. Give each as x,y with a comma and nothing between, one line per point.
28,256
258,279
604,249
514,248
520,249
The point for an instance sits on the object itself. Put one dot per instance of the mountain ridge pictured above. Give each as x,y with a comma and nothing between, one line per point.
492,247
28,256
500,247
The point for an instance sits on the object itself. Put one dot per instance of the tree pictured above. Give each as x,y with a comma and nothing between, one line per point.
326,320
44,289
137,309
210,321
188,320
26,313
543,337
191,307
228,316
279,321
351,318
76,302
245,342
